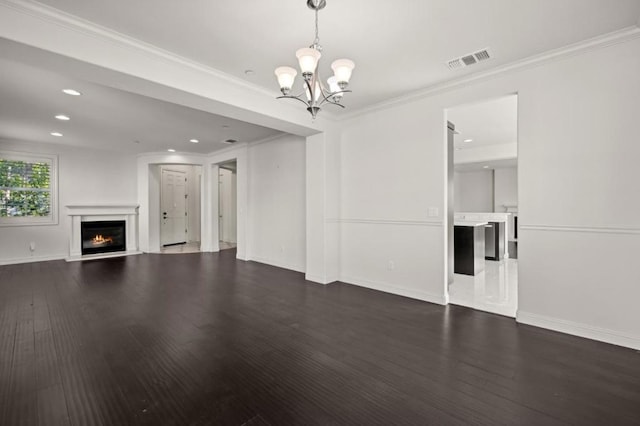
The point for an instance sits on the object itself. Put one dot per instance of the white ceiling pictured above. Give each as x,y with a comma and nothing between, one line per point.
491,122
398,46
510,163
107,118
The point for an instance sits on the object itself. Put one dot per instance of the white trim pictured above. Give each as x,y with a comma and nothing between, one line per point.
433,223
578,329
317,279
267,139
101,209
32,259
103,255
584,229
234,147
601,41
276,263
399,291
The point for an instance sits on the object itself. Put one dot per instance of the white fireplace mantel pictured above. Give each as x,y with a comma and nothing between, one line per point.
79,213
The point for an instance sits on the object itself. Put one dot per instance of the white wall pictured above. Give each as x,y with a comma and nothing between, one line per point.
228,205
578,176
277,202
505,188
84,177
473,191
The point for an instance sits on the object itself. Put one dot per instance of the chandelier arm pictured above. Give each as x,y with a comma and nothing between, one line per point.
327,96
293,97
329,101
312,98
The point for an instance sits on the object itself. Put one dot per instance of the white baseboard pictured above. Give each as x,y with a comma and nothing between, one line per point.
425,296
272,262
102,255
581,330
32,259
318,279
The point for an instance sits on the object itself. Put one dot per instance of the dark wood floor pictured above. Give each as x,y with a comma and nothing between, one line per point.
198,339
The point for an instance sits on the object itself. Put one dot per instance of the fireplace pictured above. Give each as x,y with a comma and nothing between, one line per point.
104,236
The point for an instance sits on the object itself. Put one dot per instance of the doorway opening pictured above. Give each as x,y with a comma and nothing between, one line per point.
180,206
482,205
228,205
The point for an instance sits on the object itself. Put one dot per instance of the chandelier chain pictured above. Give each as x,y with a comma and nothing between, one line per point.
316,42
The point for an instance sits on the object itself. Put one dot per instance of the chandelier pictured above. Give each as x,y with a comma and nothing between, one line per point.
314,92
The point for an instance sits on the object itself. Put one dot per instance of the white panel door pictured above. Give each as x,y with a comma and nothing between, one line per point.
173,201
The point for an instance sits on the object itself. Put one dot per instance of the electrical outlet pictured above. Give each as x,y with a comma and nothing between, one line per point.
32,246
433,212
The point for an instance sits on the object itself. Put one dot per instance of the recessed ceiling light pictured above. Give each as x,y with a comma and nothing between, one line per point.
171,150
225,126
63,117
249,72
485,167
468,140
72,92
58,134
194,140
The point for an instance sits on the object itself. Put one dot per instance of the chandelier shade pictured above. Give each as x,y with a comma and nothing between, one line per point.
342,69
308,60
286,77
314,92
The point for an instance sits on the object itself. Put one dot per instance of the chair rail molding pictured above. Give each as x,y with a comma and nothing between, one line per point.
583,229
372,221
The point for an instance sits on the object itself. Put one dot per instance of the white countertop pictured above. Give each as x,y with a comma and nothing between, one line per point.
481,216
469,223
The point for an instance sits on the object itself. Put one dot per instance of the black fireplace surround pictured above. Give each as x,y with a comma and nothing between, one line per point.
103,236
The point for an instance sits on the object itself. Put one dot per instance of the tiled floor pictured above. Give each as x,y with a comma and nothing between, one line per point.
493,290
181,248
193,248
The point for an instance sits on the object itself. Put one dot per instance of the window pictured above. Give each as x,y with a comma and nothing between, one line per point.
27,189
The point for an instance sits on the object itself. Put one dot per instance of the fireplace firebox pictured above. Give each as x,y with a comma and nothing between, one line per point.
103,236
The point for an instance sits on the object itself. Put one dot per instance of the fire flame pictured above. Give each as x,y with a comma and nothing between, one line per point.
99,240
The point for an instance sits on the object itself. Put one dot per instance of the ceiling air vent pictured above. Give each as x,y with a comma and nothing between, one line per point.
470,59
229,141
482,55
455,63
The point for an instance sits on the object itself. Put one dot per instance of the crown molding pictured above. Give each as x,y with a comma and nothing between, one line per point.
271,138
75,23
238,146
55,16
598,42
